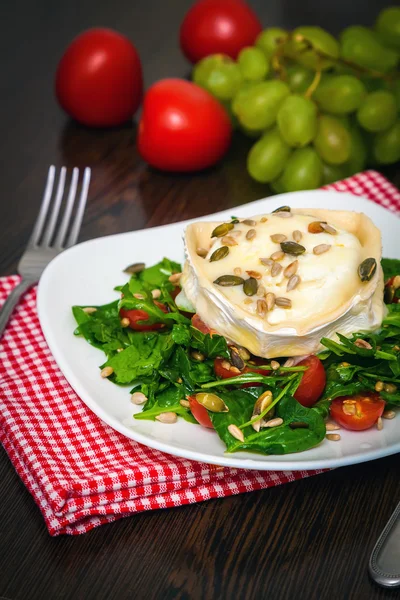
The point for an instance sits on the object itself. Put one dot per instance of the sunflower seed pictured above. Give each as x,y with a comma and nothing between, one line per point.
379,424
138,296
228,280
263,220
251,234
228,240
261,308
237,271
89,310
367,269
236,359
292,248
255,274
332,427
349,407
291,269
390,388
267,262
283,302
249,222
297,235
184,403
315,227
235,370
222,229
226,365
293,283
175,277
363,344
276,269
275,365
396,282
156,294
219,253
167,417
250,286
277,238
196,355
261,404
289,362
125,322
333,437
379,386
274,422
261,291
138,398
135,268
106,372
321,248
388,414
236,432
211,402
270,300
201,252
248,301
282,209
328,228
298,425
279,255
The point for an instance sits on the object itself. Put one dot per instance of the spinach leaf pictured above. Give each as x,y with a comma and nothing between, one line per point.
211,345
147,304
157,275
180,334
166,401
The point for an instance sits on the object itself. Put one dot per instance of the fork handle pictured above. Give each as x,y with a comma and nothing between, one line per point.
12,300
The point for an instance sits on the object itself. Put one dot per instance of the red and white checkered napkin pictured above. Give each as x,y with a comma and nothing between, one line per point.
81,472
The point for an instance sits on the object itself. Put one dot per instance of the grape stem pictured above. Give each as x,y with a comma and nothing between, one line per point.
315,82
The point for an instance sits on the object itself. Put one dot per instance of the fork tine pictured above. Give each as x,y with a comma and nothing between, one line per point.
38,227
73,236
51,225
58,242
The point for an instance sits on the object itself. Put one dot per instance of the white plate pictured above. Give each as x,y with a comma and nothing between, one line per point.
87,273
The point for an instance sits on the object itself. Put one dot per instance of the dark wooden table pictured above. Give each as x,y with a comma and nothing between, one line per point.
309,539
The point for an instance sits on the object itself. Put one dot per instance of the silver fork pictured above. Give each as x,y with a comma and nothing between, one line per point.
41,248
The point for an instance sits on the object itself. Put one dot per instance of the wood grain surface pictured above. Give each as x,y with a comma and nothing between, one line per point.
309,539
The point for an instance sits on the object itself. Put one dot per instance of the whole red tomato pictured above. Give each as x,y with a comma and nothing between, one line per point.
182,128
218,26
99,79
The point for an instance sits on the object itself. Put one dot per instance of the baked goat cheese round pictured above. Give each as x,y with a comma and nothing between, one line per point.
277,283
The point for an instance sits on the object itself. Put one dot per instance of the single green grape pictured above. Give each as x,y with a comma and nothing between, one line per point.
269,40
303,170
332,141
388,26
253,64
386,146
297,120
378,111
358,152
267,157
219,75
340,94
299,78
257,106
361,46
331,173
321,40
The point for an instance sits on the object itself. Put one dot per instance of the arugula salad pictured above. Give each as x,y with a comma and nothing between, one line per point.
175,367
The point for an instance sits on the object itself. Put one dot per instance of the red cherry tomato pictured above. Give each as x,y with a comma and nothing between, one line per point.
362,410
199,324
312,383
200,413
136,317
99,78
182,128
218,26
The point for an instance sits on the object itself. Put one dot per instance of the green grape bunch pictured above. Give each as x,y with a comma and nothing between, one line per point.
318,109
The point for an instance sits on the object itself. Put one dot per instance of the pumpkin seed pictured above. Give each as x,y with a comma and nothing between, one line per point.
277,238
250,286
298,425
244,353
219,253
328,228
202,252
211,402
255,274
270,300
315,227
222,229
196,355
293,283
236,432
251,234
228,240
279,255
261,404
135,268
236,359
249,222
367,269
389,294
282,209
292,248
297,235
283,302
235,220
321,249
291,269
390,388
276,269
267,262
261,308
228,280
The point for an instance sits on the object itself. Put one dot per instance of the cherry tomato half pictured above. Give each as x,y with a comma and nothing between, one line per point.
99,79
218,26
312,383
136,317
183,127
200,413
362,411
199,324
